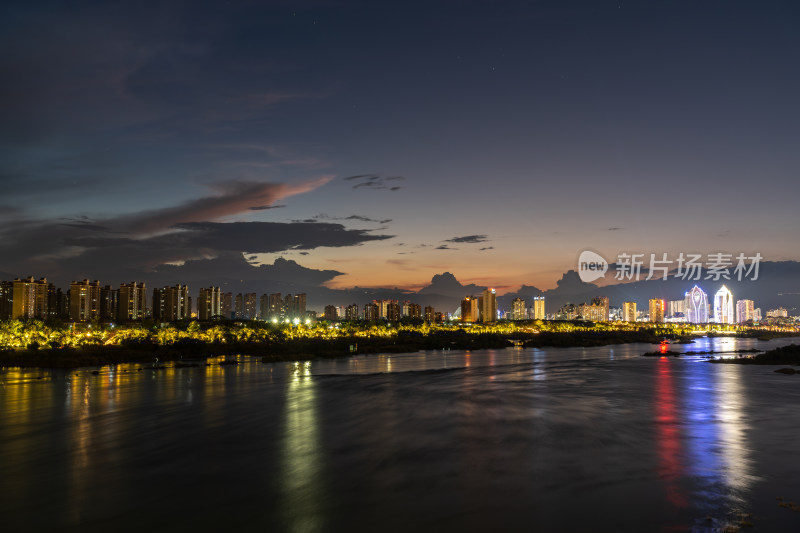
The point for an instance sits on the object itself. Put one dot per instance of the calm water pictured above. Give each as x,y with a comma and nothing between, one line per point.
577,439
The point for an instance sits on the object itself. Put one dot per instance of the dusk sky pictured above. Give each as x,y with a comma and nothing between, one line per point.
393,141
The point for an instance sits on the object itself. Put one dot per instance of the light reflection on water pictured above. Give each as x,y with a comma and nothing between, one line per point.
519,439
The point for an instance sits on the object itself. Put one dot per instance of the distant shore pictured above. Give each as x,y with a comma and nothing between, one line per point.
785,355
301,349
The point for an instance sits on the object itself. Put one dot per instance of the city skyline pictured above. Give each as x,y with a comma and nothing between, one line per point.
498,142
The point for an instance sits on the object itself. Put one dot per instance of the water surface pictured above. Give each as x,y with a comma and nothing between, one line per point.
556,439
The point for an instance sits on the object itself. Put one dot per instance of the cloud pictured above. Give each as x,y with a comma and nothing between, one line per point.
374,181
265,207
361,218
487,248
615,229
139,242
470,239
232,197
445,247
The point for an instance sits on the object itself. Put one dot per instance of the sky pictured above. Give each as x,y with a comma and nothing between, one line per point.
384,142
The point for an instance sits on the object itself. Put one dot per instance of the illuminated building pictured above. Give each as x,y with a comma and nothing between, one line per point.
225,304
595,313
676,308
745,310
518,311
171,303
109,303
209,303
84,300
723,306
6,299
657,307
238,306
29,298
469,309
412,310
629,311
295,306
331,313
371,311
538,308
393,310
696,306
132,301
777,313
351,313
602,302
250,300
430,314
488,306
568,311
276,310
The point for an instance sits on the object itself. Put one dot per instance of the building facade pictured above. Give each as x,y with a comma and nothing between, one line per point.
723,306
209,303
657,307
696,306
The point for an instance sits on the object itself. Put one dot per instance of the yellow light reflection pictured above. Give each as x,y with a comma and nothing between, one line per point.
733,427
301,453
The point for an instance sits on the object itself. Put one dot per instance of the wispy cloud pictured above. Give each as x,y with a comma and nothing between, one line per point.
469,239
375,181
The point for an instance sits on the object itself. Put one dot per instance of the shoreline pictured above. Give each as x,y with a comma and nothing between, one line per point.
312,348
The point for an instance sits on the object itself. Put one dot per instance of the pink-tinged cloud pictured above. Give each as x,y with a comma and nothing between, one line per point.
231,198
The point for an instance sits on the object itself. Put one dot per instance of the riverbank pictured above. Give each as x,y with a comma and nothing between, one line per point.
307,348
311,348
785,355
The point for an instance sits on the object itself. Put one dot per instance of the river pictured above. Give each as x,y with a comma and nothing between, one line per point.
554,439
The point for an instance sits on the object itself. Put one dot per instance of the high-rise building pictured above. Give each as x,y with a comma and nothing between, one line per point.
132,301
299,305
6,299
676,308
603,303
209,303
393,310
744,311
593,312
263,307
777,313
538,308
226,304
276,309
171,303
723,306
411,310
488,304
84,300
629,311
372,311
331,314
109,302
351,313
657,307
430,314
469,309
518,311
696,306
29,298
250,300
238,306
